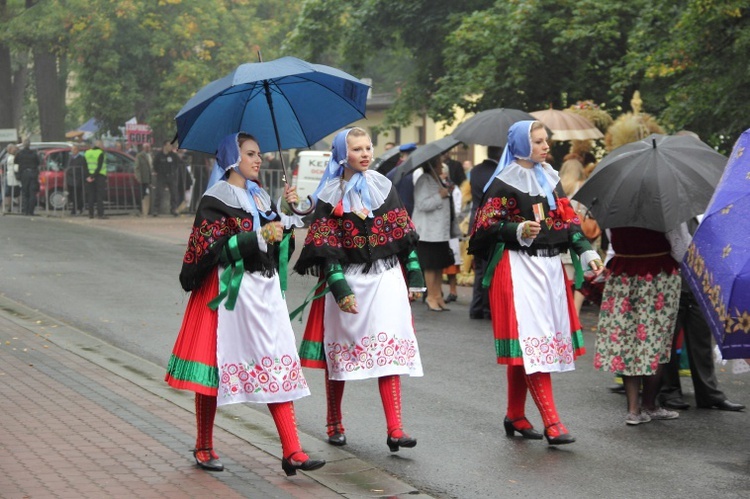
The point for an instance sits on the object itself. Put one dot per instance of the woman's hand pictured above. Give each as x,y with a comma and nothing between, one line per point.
597,266
530,230
272,232
290,194
348,304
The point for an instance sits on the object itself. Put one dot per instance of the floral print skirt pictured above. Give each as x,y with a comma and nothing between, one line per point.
636,323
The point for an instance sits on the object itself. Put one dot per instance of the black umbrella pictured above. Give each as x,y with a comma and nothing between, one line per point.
490,127
386,161
422,155
656,183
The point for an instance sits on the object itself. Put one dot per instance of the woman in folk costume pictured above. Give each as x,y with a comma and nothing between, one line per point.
523,225
359,239
236,343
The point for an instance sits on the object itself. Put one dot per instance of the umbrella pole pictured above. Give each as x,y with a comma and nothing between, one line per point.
284,178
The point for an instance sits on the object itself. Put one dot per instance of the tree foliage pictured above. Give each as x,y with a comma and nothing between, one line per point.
146,59
691,59
688,57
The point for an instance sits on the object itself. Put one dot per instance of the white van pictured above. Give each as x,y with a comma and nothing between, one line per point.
307,175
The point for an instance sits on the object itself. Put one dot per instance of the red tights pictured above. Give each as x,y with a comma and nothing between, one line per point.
283,417
390,394
540,387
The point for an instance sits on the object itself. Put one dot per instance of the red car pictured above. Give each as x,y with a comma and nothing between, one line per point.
122,188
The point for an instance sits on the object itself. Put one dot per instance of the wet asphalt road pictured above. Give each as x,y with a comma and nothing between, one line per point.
121,285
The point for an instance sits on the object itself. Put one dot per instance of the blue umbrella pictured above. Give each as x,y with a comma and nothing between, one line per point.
717,265
285,103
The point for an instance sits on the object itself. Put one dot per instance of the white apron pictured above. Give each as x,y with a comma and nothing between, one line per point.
541,307
256,351
377,341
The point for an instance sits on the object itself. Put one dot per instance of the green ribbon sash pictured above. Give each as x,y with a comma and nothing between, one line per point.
230,279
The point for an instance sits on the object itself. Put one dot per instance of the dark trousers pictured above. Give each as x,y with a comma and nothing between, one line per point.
697,340
480,302
165,182
29,188
76,196
95,194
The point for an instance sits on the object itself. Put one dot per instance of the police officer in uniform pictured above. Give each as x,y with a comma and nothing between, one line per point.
96,181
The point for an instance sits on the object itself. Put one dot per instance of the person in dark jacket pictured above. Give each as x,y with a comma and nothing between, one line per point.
166,164
28,171
480,175
75,179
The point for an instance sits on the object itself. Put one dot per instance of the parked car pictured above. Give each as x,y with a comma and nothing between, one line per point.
122,188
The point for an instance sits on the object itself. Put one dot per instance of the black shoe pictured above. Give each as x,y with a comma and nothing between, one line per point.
212,464
617,388
405,441
562,439
529,433
675,403
451,297
724,405
337,439
290,466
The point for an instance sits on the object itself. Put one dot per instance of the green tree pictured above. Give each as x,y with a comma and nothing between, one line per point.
37,28
690,59
397,44
133,58
532,55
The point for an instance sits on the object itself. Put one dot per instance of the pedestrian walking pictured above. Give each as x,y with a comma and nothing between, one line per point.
236,342
360,237
523,224
432,217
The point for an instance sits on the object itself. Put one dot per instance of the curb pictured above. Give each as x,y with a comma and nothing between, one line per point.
344,473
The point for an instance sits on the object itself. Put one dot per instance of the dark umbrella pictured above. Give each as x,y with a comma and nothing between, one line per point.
286,103
717,265
656,183
490,127
386,161
422,155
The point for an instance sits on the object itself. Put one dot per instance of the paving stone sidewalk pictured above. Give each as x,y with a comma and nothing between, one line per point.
72,428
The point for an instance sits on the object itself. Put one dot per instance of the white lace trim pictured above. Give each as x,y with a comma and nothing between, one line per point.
378,185
524,179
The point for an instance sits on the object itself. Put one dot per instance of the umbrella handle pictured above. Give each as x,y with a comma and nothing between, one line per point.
304,212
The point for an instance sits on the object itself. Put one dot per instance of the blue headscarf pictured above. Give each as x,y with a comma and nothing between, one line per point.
335,168
519,146
227,157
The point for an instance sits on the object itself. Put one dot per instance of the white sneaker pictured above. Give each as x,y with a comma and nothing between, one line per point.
634,419
662,413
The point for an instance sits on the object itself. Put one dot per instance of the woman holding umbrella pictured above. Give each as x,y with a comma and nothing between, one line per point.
432,217
523,225
359,238
236,343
